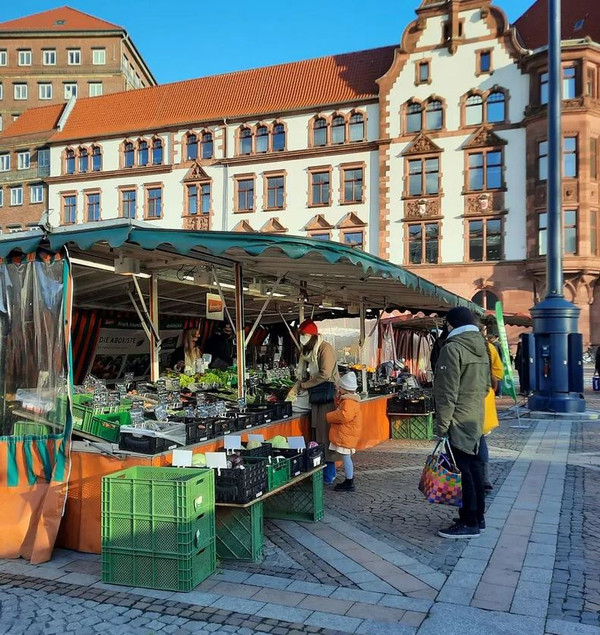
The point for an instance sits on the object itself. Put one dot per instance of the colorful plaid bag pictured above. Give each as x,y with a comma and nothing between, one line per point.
440,478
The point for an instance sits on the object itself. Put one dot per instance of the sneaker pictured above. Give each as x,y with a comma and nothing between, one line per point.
458,521
346,486
488,487
458,530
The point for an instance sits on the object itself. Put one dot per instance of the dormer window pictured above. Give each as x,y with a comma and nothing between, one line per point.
338,129
245,141
262,139
142,153
320,132
423,72
157,152
207,145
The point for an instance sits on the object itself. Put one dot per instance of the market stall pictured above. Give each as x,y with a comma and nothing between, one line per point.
248,280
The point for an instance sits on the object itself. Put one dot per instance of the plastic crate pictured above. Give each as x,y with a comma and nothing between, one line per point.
278,471
198,430
160,492
145,444
416,427
296,459
265,450
240,533
264,413
238,485
146,534
314,457
29,428
106,426
157,571
302,501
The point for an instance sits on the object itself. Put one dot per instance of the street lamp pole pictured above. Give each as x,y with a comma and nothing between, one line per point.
556,348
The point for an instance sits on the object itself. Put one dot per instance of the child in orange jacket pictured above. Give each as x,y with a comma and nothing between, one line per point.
345,424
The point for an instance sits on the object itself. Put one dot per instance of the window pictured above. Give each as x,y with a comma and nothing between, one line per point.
16,195
245,141
424,73
24,57
593,158
191,147
486,299
570,157
423,176
207,145
154,202
357,127
43,161
423,243
320,188
45,91
1,93
74,57
485,62
36,193
320,236
474,110
354,239
320,132
23,160
338,130
485,170
434,115
93,207
70,161
4,162
20,91
128,152
205,196
142,153
543,88
128,203
593,232
414,118
49,57
70,90
262,139
496,107
3,57
83,160
245,195
542,162
569,232
591,82
485,240
1,197
95,89
275,192
157,152
69,209
278,137
96,159
353,185
192,199
569,81
98,57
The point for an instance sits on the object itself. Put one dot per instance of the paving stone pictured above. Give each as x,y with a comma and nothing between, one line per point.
456,595
277,596
464,579
536,590
529,606
530,574
311,588
268,581
372,627
238,604
377,613
229,575
325,605
336,622
357,595
276,611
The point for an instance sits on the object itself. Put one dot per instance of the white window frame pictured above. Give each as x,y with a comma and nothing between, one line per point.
23,160
41,87
43,158
46,53
36,193
1,197
23,55
101,52
68,88
95,85
16,196
17,88
76,53
3,57
5,162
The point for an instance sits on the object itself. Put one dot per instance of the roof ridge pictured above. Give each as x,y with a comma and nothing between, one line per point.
25,18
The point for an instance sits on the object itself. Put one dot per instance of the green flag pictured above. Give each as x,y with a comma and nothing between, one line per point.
509,380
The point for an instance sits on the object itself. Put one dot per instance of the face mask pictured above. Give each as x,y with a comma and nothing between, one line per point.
304,339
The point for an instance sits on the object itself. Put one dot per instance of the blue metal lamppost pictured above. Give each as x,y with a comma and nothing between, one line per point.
555,349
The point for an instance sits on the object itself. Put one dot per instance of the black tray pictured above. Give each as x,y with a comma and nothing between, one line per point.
238,485
198,429
144,444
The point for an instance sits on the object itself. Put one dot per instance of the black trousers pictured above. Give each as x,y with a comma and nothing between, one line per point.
473,491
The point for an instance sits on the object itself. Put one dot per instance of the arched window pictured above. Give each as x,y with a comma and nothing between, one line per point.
496,107
338,129
245,141
485,299
414,118
83,160
474,110
435,115
157,152
70,161
96,159
320,132
142,153
128,153
207,145
278,137
357,127
192,147
262,139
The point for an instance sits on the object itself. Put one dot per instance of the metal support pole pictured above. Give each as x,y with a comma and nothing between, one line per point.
240,333
361,346
154,343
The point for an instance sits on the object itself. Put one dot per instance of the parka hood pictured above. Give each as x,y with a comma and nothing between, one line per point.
472,341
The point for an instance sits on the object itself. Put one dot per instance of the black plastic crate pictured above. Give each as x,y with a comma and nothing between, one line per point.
224,426
243,421
143,444
198,429
264,413
296,458
281,410
314,457
241,485
264,451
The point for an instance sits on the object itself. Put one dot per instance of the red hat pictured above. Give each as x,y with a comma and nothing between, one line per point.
308,327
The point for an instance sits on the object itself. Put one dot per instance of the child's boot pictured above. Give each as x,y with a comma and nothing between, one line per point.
346,486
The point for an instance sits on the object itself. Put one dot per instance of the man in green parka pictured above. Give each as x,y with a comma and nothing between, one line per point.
462,381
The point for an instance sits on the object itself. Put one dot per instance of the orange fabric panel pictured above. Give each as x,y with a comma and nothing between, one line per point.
375,423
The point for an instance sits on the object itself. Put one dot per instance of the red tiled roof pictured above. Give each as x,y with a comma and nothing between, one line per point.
306,84
580,18
34,121
71,19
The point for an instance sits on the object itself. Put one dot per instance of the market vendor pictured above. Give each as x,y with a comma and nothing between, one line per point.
221,346
317,373
184,356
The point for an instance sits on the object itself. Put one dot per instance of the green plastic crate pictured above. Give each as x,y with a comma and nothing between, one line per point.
416,427
159,492
81,412
278,472
240,533
106,426
157,571
301,502
29,428
152,535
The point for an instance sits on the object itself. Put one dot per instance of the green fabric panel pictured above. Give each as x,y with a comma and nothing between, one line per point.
31,479
42,448
12,471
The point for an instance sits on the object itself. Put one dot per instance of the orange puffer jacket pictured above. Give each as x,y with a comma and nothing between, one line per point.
346,422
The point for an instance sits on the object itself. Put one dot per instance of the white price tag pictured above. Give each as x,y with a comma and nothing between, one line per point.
216,459
297,443
256,437
233,442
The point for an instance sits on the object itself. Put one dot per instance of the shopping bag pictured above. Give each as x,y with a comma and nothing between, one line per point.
441,481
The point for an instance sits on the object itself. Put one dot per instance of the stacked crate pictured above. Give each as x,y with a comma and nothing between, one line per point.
416,427
158,527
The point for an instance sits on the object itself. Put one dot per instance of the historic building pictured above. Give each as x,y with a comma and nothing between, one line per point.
432,153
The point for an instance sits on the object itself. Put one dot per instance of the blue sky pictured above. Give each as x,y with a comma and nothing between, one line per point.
191,38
